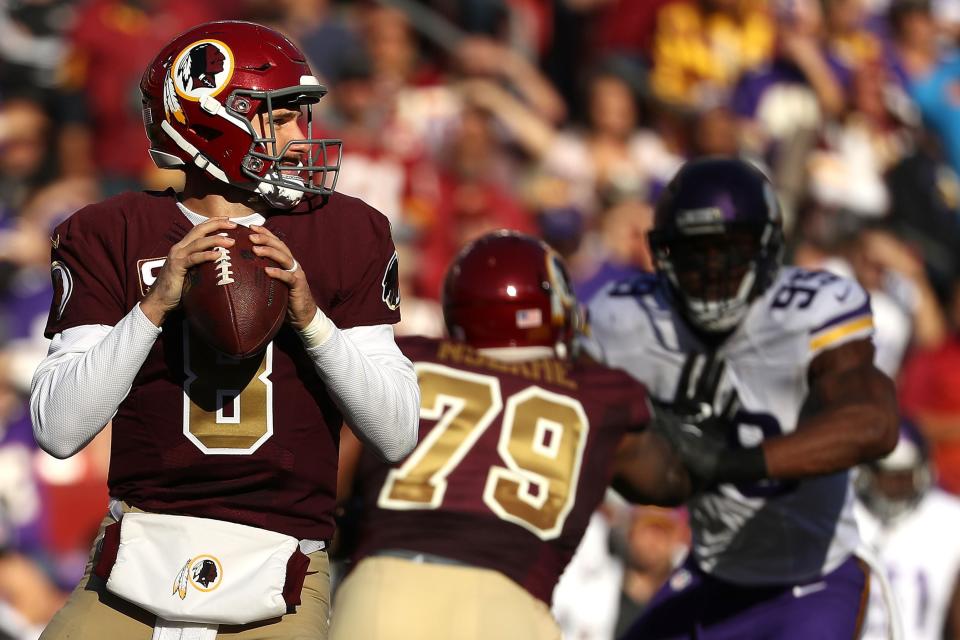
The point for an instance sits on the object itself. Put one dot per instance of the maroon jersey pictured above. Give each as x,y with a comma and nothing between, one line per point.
252,441
513,459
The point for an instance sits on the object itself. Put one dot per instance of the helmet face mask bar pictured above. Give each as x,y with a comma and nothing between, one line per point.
319,175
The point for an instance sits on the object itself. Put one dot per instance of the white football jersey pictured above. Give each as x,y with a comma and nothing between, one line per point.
922,559
769,532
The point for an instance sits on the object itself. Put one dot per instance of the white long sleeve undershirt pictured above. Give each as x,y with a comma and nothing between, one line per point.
90,369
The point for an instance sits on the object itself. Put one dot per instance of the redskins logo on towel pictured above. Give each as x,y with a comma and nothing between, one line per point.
204,572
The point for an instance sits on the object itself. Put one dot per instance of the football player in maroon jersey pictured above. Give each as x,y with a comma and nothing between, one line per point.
518,443
250,444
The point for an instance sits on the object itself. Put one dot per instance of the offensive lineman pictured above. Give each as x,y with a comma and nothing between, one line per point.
468,536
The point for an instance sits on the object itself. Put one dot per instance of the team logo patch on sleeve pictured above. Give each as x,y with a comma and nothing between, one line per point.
62,287
391,283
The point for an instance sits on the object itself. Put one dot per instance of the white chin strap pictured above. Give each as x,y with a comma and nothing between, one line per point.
281,197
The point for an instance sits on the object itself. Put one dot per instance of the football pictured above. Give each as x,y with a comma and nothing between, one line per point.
231,303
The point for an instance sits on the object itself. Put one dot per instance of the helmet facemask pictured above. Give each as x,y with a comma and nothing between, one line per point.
567,316
716,273
279,183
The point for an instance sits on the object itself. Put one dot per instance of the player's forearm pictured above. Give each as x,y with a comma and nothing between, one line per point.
373,384
834,439
648,471
79,386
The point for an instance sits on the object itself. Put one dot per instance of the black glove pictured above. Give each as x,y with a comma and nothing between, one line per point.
697,394
702,436
707,454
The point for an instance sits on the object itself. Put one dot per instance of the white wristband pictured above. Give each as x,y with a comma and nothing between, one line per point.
318,331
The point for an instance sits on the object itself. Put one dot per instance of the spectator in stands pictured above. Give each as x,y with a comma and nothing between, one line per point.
932,74
475,196
324,34
657,541
700,48
930,394
613,152
850,44
858,149
24,151
109,46
619,250
27,597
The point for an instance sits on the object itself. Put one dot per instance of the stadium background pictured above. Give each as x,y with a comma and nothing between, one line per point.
560,118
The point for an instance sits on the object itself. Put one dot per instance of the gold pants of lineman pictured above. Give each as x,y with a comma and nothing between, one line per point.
388,598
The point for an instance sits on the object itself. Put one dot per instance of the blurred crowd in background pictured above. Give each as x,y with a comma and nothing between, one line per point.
562,118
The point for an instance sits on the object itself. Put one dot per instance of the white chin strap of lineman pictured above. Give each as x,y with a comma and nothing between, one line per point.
281,197
717,316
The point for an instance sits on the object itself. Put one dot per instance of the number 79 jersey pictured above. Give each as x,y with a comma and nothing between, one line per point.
769,532
513,458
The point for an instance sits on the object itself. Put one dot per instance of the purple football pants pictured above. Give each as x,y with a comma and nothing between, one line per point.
693,605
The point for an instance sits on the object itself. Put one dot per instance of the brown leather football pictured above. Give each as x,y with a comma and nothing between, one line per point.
231,302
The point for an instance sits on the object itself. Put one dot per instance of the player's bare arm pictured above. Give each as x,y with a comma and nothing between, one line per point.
849,416
647,470
196,247
301,307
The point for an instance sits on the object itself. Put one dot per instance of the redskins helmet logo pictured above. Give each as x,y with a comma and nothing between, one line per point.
200,69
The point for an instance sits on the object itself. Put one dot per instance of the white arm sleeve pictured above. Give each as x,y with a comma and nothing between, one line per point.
87,373
372,382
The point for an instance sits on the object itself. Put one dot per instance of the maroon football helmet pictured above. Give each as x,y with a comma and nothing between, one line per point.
507,289
203,89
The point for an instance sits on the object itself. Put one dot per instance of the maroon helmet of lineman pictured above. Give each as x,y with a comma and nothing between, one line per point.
507,289
201,93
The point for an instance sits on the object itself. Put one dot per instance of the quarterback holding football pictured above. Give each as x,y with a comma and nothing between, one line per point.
226,401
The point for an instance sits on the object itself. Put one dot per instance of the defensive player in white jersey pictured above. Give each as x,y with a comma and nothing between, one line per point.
776,362
912,526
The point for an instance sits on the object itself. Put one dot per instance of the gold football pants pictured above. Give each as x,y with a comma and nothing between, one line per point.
387,598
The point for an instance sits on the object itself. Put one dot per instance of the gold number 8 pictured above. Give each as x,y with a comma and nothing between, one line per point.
227,403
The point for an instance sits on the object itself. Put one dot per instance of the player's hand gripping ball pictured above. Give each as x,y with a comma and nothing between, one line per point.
231,302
